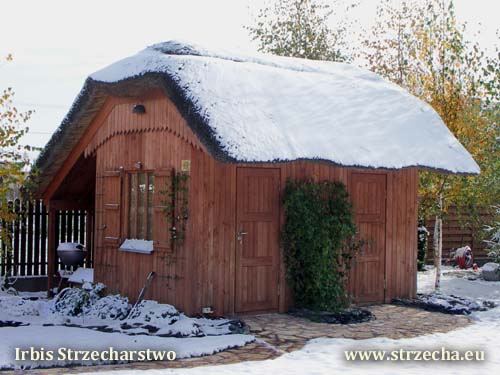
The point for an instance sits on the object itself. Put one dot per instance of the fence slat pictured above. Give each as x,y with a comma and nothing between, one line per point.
76,227
43,241
15,247
81,228
36,240
60,234
10,234
22,240
29,244
69,226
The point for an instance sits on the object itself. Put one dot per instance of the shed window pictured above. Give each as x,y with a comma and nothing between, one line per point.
141,187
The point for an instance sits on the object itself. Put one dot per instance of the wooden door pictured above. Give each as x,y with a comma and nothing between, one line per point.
108,225
368,194
257,245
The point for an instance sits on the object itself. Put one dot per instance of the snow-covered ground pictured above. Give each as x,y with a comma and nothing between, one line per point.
53,338
456,282
50,325
320,356
326,356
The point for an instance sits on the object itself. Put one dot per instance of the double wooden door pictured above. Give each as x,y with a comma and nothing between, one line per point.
257,245
367,278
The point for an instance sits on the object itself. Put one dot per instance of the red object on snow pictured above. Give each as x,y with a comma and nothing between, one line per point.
464,257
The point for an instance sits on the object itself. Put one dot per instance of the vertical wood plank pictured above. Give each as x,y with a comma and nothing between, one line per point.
52,238
16,237
30,239
23,229
43,240
86,225
37,238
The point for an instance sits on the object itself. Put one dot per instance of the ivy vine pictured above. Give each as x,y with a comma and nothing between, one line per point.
176,205
319,242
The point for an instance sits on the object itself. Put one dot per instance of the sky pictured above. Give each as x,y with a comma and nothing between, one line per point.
56,44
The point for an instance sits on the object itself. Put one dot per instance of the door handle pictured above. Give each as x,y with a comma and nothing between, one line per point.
240,235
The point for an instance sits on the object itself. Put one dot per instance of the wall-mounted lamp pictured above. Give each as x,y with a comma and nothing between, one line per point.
139,109
138,165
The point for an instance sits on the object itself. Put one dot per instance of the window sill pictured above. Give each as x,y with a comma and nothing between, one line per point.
139,251
137,246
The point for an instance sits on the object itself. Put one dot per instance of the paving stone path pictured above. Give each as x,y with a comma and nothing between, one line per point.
280,333
287,333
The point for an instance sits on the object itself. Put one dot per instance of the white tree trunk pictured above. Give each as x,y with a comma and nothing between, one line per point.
438,243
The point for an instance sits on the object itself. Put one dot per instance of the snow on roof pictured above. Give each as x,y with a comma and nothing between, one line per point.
267,108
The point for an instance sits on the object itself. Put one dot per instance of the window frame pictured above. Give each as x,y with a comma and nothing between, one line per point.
126,200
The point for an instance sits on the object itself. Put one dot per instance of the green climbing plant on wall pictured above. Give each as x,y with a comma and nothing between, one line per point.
319,243
176,205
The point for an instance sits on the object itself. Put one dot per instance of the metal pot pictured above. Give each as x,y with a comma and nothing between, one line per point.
71,253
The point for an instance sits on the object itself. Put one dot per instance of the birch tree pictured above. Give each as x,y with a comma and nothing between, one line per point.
300,28
420,46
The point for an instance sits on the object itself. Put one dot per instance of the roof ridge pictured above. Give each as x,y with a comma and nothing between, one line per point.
296,64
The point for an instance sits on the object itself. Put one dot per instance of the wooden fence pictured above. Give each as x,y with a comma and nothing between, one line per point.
455,236
29,252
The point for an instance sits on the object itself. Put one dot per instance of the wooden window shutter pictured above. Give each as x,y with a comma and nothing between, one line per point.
112,182
161,228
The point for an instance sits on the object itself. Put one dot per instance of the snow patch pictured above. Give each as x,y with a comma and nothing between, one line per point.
53,338
88,308
82,276
137,246
81,319
70,246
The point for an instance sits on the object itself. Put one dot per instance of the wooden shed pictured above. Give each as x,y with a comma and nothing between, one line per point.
239,127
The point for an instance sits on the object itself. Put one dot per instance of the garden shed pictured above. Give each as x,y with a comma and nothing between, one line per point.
182,154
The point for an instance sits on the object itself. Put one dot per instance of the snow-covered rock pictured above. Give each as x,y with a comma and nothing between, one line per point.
491,271
448,304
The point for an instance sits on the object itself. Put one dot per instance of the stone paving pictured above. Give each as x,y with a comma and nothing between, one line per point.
280,333
287,333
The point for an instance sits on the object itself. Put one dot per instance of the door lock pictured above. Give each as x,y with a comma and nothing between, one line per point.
240,235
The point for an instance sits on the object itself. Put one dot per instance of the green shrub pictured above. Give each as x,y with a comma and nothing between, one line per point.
318,243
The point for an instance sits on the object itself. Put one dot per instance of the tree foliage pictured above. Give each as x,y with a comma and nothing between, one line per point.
493,242
299,28
13,158
421,46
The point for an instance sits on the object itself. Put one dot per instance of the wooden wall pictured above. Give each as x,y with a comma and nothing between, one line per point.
401,236
201,272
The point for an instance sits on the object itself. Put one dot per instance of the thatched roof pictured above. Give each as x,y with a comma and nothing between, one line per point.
266,108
